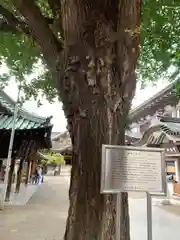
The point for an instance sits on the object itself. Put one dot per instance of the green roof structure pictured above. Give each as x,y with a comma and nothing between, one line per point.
22,122
29,127
25,120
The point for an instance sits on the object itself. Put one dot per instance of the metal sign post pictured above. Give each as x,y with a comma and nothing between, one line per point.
133,169
149,216
118,216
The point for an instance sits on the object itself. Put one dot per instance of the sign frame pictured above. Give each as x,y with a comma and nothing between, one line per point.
163,192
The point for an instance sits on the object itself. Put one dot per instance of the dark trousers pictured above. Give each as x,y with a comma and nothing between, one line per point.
36,179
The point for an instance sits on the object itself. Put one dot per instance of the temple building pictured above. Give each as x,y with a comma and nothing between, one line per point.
154,123
61,143
31,134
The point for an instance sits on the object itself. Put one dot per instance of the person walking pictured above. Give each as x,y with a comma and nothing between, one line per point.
40,174
36,176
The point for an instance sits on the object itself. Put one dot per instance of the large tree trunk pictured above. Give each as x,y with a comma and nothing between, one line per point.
101,47
102,84
92,215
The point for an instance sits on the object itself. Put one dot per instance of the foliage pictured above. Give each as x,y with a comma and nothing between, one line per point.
160,44
23,58
160,51
53,159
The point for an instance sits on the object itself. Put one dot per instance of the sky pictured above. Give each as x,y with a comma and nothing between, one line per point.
55,109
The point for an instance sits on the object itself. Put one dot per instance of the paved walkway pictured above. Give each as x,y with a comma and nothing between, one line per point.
164,222
43,218
23,197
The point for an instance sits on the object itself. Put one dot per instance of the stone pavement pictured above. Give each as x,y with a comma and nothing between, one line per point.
44,217
165,223
26,192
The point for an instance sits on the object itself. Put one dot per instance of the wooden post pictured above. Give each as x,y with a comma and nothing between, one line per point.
28,171
33,166
1,164
19,175
31,169
59,169
10,179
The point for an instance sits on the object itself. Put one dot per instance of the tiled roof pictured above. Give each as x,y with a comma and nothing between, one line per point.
61,142
166,96
6,122
6,102
165,127
170,125
171,128
54,134
24,119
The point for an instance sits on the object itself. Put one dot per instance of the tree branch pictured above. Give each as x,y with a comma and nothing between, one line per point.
10,18
49,44
10,23
55,6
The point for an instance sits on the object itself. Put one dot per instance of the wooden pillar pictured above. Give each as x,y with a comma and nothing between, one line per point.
33,166
59,169
28,171
32,169
19,175
10,179
1,164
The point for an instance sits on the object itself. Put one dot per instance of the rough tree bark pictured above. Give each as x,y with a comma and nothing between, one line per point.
91,215
101,48
102,87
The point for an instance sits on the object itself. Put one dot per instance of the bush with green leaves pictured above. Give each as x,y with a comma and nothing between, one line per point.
53,159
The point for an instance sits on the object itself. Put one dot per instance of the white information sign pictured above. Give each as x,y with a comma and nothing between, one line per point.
127,168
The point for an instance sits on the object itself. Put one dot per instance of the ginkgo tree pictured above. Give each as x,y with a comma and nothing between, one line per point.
88,52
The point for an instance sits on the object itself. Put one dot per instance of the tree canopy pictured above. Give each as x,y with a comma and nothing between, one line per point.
160,40
160,43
